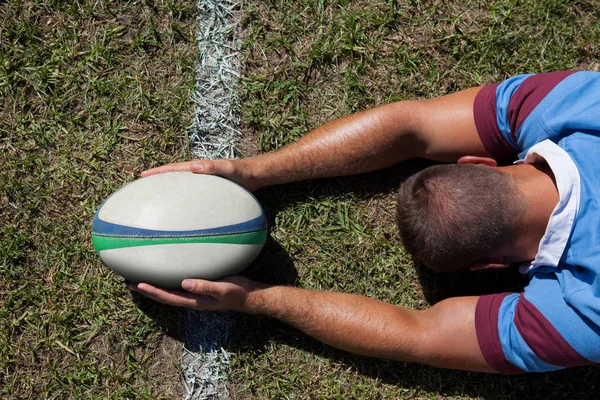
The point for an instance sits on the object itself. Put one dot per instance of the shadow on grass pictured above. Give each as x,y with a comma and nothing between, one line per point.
438,286
273,266
576,383
384,182
170,320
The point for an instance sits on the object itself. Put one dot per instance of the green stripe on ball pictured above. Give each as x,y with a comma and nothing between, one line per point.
115,242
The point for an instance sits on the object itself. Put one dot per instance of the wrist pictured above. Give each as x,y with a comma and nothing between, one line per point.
252,172
258,297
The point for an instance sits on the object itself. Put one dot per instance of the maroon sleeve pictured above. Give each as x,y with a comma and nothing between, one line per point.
526,97
538,333
529,94
484,111
543,338
486,327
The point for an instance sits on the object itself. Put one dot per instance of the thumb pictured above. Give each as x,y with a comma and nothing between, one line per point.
200,286
210,167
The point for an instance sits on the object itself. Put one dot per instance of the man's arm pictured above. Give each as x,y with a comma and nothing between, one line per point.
440,129
442,336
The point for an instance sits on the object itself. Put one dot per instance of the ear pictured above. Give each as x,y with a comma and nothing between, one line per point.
489,264
490,162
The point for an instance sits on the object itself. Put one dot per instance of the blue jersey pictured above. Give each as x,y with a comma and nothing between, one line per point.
555,322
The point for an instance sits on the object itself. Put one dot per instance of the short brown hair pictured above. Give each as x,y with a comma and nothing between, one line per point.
453,215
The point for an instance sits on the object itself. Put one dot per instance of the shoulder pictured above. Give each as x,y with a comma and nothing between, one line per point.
508,113
535,331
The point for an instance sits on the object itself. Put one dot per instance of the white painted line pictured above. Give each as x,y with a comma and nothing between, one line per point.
215,128
205,362
214,132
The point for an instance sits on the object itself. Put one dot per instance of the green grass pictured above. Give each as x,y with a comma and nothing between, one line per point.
91,93
94,92
311,61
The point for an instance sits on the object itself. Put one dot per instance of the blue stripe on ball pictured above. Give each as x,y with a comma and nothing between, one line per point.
100,227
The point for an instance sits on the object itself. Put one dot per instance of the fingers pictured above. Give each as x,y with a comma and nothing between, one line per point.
181,166
227,294
174,298
218,167
214,167
204,288
164,296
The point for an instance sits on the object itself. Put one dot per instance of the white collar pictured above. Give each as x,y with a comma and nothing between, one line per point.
558,231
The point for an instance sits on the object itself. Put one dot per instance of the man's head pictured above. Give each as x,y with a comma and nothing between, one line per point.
458,215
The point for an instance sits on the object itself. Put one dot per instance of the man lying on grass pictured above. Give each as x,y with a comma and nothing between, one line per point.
542,211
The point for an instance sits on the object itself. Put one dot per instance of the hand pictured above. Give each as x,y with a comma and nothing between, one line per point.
227,294
240,171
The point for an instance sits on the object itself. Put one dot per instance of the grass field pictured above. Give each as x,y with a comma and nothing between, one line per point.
94,92
91,94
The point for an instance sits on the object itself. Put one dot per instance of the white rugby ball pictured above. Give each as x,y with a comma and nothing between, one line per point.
167,227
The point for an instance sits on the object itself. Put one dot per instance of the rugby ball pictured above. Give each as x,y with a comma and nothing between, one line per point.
167,227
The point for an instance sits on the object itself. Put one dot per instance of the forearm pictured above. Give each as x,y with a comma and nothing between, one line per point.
442,336
441,129
349,322
358,143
